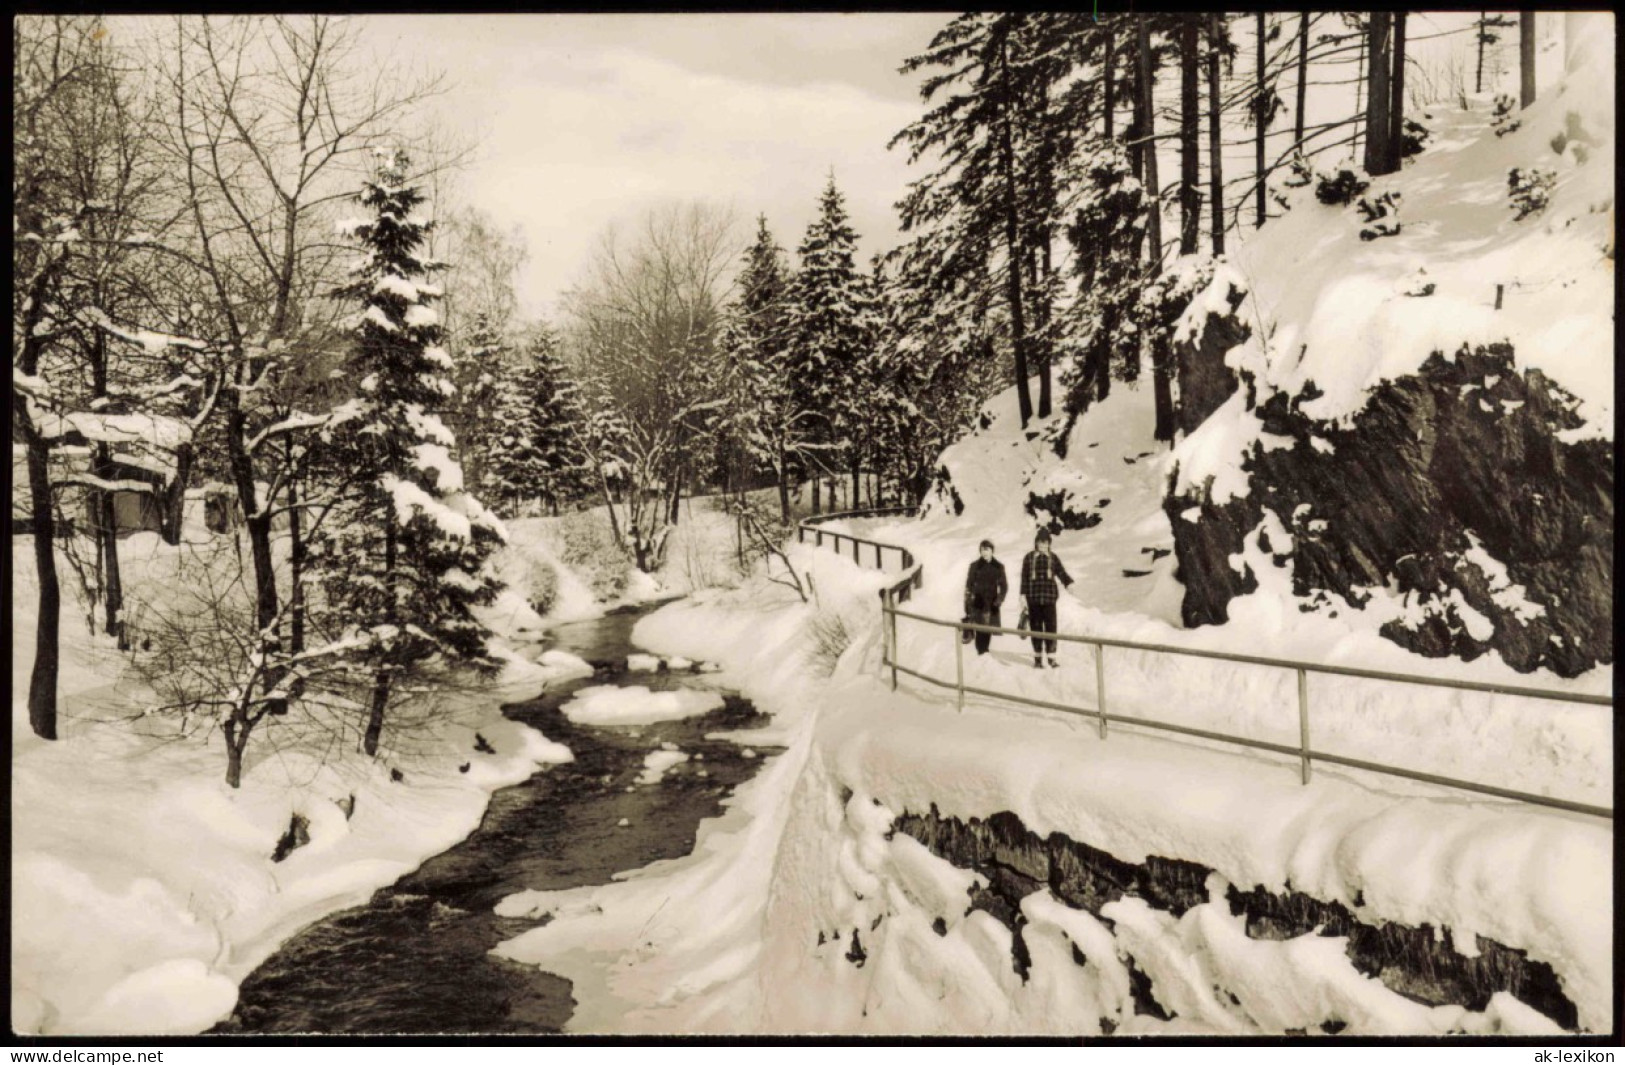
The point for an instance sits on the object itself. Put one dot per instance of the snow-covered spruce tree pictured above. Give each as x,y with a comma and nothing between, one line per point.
481,362
1002,125
935,349
832,328
401,561
759,422
535,431
1106,234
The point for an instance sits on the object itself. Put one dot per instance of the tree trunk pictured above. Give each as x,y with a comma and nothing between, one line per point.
1360,79
1190,193
1047,352
42,681
1260,124
1012,241
1103,364
1148,154
1483,29
236,743
784,491
609,505
1304,20
1526,58
296,566
112,581
1162,377
375,716
106,511
172,501
1215,143
857,484
1108,66
1396,98
1376,111
815,494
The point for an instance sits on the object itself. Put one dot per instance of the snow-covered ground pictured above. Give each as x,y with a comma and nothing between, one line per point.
1348,313
142,886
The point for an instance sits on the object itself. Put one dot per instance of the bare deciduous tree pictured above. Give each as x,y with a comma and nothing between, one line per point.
644,325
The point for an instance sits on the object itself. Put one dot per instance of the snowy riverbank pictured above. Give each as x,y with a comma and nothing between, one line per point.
143,887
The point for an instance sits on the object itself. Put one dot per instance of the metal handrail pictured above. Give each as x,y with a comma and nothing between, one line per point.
912,577
1279,663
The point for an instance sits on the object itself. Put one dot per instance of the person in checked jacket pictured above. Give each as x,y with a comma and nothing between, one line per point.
1039,592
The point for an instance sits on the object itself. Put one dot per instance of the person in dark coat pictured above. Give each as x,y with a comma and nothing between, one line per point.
985,589
1039,572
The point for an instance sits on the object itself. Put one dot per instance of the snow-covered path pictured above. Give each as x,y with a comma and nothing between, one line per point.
1126,590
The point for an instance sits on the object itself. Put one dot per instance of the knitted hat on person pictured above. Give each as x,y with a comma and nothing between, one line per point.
985,543
1042,537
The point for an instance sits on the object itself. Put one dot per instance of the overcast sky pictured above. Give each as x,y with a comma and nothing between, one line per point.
586,119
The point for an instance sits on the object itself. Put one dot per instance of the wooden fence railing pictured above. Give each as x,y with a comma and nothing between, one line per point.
912,578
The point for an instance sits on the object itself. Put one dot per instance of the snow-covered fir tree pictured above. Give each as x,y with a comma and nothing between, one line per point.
401,560
481,363
832,326
758,424
1107,234
535,435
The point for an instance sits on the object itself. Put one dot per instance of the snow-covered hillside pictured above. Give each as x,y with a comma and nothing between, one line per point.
1423,428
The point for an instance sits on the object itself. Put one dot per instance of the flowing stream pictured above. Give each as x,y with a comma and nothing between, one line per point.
415,958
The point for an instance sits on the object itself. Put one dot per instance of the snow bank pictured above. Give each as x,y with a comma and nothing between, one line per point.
606,705
656,763
143,889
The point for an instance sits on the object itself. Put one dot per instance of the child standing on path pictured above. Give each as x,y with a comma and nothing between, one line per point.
1039,572
985,589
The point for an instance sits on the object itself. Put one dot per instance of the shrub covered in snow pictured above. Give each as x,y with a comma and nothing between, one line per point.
1530,189
1504,118
1340,189
1381,213
829,638
584,542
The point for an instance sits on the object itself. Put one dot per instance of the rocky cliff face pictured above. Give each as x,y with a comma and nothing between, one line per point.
1420,962
1457,487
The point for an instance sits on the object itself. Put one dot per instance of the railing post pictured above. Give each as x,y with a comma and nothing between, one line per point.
820,541
959,665
891,603
1303,720
1100,686
801,533
879,563
855,559
885,635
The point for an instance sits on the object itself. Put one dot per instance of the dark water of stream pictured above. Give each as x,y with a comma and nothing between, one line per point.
414,959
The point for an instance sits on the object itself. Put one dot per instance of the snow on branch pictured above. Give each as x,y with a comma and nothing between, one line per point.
293,423
152,341
90,480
